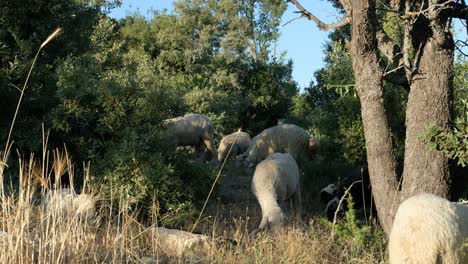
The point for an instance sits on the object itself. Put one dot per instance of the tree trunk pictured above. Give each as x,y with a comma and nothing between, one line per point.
426,170
369,76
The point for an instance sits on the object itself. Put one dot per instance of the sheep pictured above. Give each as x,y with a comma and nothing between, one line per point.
335,208
283,138
429,229
357,182
192,130
276,179
328,193
240,142
66,202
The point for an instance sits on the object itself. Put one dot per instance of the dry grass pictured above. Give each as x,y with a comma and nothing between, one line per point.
34,233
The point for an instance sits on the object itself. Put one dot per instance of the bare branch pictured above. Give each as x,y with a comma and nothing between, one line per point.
458,10
407,44
294,19
393,70
19,89
305,13
464,44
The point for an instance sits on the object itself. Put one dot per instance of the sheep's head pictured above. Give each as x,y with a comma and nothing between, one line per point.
313,148
221,151
273,219
328,193
248,158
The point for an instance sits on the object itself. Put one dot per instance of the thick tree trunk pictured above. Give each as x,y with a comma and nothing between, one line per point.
369,75
426,170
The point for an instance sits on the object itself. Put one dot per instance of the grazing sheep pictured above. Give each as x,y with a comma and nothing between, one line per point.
332,209
283,138
357,182
192,130
276,179
241,144
328,193
67,203
429,229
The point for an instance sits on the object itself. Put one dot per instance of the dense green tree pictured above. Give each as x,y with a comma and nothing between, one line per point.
25,24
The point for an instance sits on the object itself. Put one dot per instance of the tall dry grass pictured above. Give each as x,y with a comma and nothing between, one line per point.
32,231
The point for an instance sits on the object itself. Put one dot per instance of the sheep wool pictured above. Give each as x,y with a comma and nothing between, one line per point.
276,179
284,138
429,229
192,130
67,203
239,144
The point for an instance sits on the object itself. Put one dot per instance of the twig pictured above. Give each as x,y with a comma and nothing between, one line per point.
292,20
339,205
393,70
8,143
346,20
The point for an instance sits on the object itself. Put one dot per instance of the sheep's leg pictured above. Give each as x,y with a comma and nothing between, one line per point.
211,148
296,199
200,152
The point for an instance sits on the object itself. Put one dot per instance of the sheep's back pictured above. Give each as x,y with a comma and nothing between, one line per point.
190,128
291,139
426,228
279,174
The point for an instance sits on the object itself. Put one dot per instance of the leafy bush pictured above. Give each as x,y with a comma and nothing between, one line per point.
453,143
350,229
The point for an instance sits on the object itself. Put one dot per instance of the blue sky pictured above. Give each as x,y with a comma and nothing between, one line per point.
301,39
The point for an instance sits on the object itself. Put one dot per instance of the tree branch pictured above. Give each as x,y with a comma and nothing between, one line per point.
458,10
325,27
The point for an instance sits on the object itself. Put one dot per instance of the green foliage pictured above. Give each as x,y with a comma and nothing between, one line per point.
111,108
105,86
335,109
350,230
141,169
269,88
453,143
460,84
25,24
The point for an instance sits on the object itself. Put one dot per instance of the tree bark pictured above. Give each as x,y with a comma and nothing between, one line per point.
369,83
426,170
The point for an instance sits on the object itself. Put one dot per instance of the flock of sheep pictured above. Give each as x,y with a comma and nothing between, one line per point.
427,228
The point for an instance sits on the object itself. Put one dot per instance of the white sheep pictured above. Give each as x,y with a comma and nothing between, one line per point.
192,130
240,142
66,202
283,138
276,179
429,229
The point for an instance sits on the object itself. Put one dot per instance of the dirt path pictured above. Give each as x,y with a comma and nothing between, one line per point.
233,200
